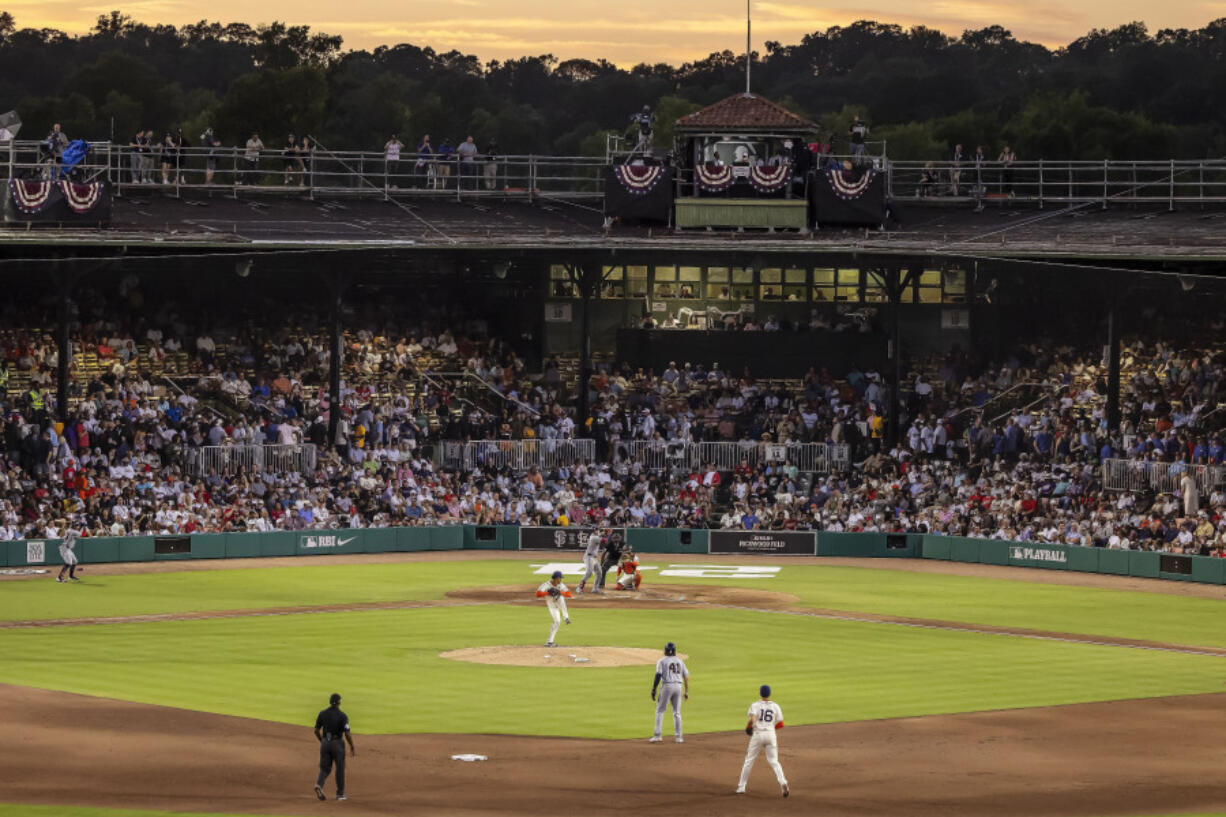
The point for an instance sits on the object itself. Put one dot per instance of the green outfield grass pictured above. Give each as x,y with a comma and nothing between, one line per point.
386,664
1002,602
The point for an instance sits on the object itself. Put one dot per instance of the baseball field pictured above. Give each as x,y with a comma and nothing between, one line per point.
908,687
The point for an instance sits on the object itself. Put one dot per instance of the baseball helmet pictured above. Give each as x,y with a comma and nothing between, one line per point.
557,574
670,648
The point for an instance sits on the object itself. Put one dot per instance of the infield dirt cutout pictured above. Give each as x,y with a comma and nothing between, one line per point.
563,656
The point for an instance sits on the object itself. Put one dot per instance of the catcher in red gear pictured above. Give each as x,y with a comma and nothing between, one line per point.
629,577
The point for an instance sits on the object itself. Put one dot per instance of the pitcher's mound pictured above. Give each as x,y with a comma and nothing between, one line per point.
558,656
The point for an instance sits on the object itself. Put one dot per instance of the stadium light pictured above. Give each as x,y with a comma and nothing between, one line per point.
10,124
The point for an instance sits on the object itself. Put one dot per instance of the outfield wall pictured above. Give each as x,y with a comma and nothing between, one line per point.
44,552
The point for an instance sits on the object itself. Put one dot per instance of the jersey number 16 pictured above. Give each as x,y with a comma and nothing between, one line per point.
766,715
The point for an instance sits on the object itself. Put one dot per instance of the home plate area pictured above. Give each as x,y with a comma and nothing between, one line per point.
647,596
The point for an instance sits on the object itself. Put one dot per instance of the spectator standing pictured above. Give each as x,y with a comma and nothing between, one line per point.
425,163
446,154
856,135
1007,158
138,147
251,157
491,165
467,153
290,154
306,155
170,157
391,161
56,141
955,171
979,159
209,144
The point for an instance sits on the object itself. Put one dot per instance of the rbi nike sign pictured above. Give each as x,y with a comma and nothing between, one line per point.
1025,554
313,541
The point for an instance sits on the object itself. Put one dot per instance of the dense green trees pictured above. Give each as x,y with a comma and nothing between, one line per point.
1121,93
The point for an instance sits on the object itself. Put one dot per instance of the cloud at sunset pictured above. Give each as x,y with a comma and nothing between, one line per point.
667,31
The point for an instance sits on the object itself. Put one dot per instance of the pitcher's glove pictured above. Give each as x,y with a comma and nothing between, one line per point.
555,592
748,730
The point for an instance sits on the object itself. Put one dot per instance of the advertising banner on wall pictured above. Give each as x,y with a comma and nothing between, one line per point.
1038,556
787,543
561,538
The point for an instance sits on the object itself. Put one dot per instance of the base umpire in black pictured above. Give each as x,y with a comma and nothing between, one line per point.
332,730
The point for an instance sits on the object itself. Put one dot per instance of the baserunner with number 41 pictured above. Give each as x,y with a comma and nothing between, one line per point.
676,685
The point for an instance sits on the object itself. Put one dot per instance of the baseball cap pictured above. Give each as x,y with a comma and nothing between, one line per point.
764,690
557,574
335,698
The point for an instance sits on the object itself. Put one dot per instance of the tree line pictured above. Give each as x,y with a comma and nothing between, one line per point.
1122,93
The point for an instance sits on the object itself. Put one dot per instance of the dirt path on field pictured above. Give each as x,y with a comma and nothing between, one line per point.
1161,755
1023,574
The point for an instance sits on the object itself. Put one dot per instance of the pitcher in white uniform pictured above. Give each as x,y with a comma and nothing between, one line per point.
672,671
765,717
555,595
591,562
68,555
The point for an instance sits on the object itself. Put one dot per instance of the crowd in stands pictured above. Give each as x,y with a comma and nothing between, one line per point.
1012,450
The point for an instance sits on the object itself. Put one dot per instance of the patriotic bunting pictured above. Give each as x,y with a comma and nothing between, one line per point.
770,178
849,188
81,198
638,179
29,196
712,177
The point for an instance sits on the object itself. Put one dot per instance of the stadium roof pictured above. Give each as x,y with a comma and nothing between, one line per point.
1132,235
745,112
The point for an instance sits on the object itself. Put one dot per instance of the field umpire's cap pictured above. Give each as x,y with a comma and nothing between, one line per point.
335,698
670,648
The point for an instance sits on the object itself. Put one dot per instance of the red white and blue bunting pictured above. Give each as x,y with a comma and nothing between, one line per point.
712,177
29,196
81,198
848,188
770,178
638,179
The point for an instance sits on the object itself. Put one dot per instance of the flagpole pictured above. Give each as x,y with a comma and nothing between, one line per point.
748,50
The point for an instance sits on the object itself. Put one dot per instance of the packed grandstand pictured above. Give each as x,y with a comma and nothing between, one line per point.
164,410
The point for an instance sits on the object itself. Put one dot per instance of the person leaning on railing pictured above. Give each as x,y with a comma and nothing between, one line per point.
251,158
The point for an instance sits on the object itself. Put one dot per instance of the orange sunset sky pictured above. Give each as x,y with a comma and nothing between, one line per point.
623,32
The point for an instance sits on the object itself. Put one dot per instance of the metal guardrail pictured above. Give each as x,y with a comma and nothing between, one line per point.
356,173
663,455
516,455
1167,181
370,173
1160,477
232,459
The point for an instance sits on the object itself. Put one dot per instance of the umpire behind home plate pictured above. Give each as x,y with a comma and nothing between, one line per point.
331,730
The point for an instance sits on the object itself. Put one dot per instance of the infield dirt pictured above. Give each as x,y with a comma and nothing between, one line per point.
1159,755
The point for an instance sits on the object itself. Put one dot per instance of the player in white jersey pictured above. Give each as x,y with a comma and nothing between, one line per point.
765,717
591,562
676,685
68,555
555,595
